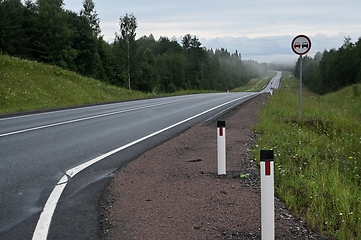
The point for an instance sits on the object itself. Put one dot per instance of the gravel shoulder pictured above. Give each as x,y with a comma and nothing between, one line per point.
173,191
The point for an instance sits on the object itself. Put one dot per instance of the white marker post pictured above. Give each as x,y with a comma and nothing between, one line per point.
267,195
221,147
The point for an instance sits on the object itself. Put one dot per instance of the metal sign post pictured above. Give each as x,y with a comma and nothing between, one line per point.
300,108
301,45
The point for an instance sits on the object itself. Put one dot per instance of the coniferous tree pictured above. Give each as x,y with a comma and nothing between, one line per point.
91,15
332,70
85,41
52,33
12,38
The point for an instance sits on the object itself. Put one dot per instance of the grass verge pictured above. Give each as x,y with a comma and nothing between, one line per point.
28,85
317,157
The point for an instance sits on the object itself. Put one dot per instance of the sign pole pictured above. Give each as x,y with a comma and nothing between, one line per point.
300,110
301,45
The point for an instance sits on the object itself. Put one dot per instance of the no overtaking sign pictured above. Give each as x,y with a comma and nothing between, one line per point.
301,45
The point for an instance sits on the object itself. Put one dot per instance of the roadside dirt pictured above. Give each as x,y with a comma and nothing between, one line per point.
174,192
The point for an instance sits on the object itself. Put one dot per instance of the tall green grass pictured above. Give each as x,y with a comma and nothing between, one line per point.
317,157
28,85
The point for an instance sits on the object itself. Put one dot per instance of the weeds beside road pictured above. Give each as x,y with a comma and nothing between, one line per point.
317,157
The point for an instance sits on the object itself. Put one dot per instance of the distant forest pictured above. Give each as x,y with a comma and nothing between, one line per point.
44,31
332,70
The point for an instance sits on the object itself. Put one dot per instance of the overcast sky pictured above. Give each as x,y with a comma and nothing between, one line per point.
260,30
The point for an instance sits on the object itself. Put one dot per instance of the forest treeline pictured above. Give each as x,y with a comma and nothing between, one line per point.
332,70
46,32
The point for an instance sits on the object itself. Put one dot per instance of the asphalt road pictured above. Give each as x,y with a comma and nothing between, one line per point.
275,82
54,166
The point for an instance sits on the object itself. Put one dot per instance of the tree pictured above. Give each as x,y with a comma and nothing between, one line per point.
197,60
52,33
12,39
148,79
91,15
358,54
186,41
44,31
85,39
128,25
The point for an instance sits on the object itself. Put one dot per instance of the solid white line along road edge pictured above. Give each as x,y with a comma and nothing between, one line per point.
42,227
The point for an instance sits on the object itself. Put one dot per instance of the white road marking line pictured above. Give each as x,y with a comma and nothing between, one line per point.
81,119
86,107
42,227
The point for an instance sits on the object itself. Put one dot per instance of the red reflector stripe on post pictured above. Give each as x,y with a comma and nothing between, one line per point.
268,168
221,125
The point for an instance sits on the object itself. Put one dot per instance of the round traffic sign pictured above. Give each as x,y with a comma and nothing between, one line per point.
301,44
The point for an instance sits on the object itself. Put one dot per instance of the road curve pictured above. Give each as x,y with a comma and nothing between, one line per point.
77,150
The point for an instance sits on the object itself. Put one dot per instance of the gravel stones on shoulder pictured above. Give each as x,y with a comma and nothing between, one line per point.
173,191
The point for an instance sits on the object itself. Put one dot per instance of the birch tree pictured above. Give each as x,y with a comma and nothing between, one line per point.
128,25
